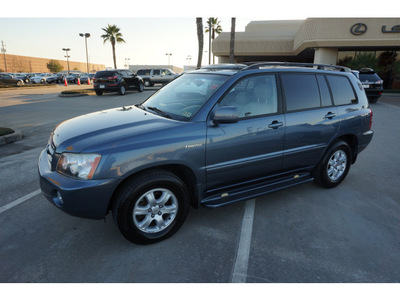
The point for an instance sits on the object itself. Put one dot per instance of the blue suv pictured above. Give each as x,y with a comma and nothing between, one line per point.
210,137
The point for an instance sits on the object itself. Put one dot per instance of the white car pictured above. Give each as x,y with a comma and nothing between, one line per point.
41,78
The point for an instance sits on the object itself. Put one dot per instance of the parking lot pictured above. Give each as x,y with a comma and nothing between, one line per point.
302,234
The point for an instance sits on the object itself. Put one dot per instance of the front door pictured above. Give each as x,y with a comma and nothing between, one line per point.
252,148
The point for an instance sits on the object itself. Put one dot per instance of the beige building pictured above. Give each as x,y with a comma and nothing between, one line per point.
317,40
27,64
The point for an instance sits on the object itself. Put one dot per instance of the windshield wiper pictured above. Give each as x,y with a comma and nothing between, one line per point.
159,111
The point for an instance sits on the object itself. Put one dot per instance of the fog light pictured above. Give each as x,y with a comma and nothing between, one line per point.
57,198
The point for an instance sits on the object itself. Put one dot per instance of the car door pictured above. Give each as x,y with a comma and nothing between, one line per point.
156,76
253,147
166,76
126,76
311,119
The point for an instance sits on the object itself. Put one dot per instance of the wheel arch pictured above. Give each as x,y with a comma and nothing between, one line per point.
181,171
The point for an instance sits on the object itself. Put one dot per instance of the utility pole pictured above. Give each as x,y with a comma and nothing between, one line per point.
67,56
3,50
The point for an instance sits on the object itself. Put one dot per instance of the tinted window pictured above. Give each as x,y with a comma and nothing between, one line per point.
369,77
156,72
324,91
102,74
301,91
341,90
253,96
143,72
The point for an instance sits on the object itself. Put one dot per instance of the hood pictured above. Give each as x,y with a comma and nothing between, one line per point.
105,129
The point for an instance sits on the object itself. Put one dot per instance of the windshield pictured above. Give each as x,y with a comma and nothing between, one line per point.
182,98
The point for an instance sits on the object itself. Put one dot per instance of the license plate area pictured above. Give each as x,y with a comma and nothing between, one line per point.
102,86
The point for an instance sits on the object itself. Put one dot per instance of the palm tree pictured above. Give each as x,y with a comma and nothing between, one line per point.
232,43
112,35
200,37
212,28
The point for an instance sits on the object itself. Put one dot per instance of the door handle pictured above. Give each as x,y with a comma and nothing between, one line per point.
275,125
330,115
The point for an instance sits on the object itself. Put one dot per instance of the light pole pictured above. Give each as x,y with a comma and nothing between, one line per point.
67,56
86,35
3,49
169,55
189,58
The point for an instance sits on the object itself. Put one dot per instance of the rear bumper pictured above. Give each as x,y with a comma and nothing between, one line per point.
364,140
81,198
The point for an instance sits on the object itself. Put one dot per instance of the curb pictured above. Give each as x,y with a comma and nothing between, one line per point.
72,95
11,138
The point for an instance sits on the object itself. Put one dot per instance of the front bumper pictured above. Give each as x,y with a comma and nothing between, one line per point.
81,198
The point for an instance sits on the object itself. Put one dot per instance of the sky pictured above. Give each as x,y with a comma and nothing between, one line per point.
150,28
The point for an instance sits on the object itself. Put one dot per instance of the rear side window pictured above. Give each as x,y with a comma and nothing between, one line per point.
301,91
342,91
326,99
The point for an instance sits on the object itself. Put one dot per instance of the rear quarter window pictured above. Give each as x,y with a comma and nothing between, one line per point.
342,90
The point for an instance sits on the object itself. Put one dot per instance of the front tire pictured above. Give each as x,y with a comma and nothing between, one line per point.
151,207
334,166
140,87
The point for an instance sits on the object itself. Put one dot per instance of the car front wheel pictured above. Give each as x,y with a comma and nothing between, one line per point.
334,166
151,207
140,87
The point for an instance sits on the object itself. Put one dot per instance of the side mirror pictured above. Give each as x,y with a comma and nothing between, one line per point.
226,114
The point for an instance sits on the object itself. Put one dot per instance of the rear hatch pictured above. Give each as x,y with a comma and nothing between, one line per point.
105,77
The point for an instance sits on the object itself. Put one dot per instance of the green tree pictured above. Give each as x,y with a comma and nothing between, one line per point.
213,28
113,36
54,66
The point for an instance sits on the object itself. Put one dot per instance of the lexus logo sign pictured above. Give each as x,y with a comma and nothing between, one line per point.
358,29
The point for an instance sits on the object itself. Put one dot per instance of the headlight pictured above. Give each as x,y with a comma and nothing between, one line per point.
81,166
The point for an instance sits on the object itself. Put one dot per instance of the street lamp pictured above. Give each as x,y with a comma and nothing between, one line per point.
67,56
169,55
86,35
189,58
3,50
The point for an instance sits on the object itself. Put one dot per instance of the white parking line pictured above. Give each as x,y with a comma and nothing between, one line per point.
242,258
19,201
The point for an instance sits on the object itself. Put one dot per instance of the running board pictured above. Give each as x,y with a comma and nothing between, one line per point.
256,190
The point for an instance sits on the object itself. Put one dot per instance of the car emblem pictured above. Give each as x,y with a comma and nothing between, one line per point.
358,29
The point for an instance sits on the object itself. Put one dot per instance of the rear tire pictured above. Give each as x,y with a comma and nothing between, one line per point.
99,93
151,207
334,166
122,90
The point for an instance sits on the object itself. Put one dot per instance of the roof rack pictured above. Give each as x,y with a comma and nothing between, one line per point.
290,64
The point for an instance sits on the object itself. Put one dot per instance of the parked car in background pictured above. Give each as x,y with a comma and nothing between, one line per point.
84,78
52,79
210,137
7,79
22,76
372,83
153,76
73,78
41,78
116,81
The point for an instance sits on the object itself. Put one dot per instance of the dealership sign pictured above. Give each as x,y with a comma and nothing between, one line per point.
361,28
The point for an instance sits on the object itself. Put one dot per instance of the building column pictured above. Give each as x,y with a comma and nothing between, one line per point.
326,56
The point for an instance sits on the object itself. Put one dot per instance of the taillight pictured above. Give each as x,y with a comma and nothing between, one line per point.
370,118
112,78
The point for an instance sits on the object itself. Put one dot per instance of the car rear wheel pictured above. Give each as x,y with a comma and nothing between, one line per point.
334,166
99,93
151,207
373,100
147,83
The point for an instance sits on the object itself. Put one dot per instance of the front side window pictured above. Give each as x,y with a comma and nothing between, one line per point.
182,98
342,91
156,72
253,96
301,91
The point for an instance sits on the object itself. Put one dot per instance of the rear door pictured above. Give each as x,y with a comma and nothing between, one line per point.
156,76
253,147
311,119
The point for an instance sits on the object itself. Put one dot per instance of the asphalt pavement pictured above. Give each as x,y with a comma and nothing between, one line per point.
302,234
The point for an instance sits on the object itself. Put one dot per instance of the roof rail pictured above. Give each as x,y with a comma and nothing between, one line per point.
291,64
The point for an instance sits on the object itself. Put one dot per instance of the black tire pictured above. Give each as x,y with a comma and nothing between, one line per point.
334,166
150,207
373,100
99,93
140,87
122,90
